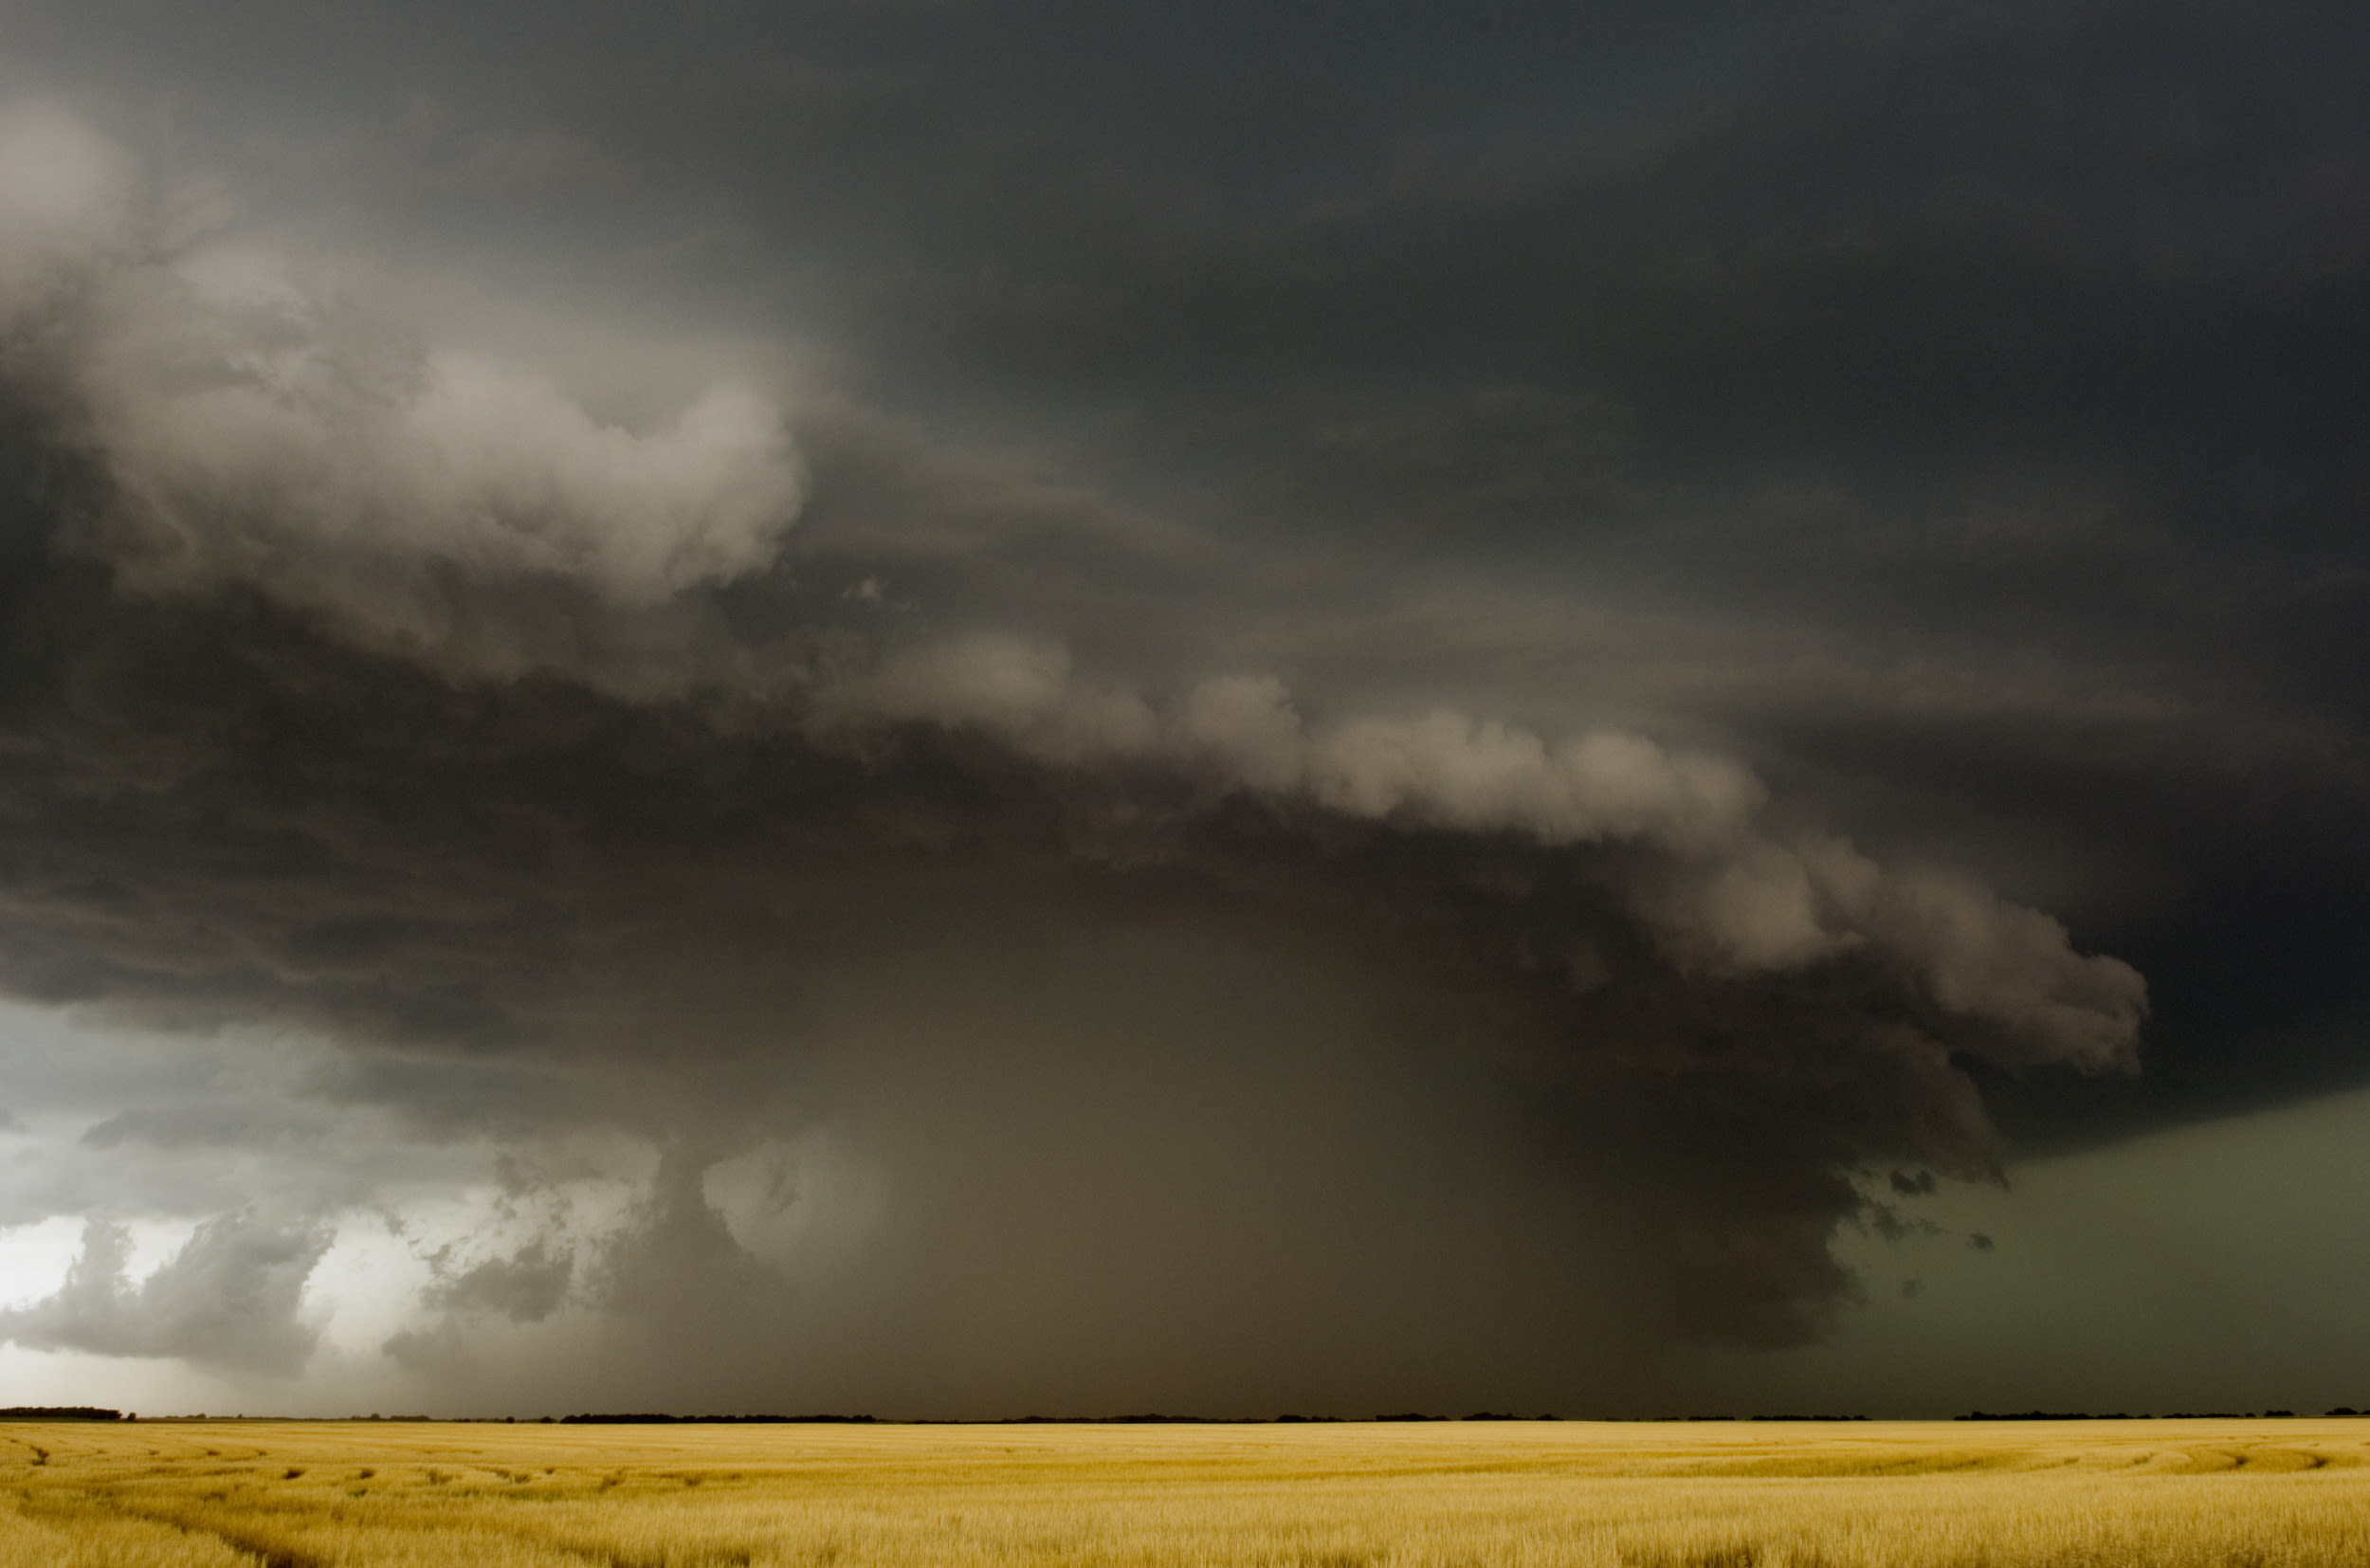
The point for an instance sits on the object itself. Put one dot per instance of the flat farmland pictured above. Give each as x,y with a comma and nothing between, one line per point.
1715,1495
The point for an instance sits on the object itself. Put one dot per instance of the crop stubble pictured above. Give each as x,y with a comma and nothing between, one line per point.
1708,1495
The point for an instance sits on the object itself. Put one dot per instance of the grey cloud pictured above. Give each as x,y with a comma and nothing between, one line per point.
122,1119
251,425
1975,956
1479,513
67,193
1442,769
200,1124
624,915
527,1286
1445,769
631,910
1886,1222
230,1298
1732,903
676,1242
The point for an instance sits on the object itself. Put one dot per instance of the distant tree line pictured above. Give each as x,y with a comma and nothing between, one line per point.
658,1420
654,1419
2119,1415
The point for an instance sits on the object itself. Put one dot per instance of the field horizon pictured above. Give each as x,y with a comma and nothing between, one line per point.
17,1414
1714,1494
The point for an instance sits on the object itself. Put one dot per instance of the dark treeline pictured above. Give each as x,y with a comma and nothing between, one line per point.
656,1420
1138,1419
2119,1415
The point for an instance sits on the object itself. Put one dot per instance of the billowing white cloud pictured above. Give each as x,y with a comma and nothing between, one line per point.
1975,954
231,1297
1726,902
1248,727
254,435
1024,691
255,422
1442,769
1447,769
1981,957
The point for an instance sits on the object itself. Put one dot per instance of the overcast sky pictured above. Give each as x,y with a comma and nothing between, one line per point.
960,709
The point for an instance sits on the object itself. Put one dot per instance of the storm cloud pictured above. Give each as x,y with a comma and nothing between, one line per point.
1177,785
229,1298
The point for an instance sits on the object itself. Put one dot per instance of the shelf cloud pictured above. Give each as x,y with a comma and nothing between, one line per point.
1203,790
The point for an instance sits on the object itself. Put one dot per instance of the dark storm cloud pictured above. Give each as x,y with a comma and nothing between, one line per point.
654,905
329,765
1501,491
2008,347
526,1287
2037,325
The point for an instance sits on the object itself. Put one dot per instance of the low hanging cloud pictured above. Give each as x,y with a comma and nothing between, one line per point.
388,694
1728,903
245,442
251,423
230,1298
527,1286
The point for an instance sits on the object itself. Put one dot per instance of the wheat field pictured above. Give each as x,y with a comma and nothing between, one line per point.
1711,1495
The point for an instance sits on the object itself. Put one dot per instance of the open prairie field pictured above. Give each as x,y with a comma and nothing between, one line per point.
298,1494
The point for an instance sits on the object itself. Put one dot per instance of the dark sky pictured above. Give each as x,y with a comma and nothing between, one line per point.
962,710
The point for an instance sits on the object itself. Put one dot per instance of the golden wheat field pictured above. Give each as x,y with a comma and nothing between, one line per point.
296,1494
